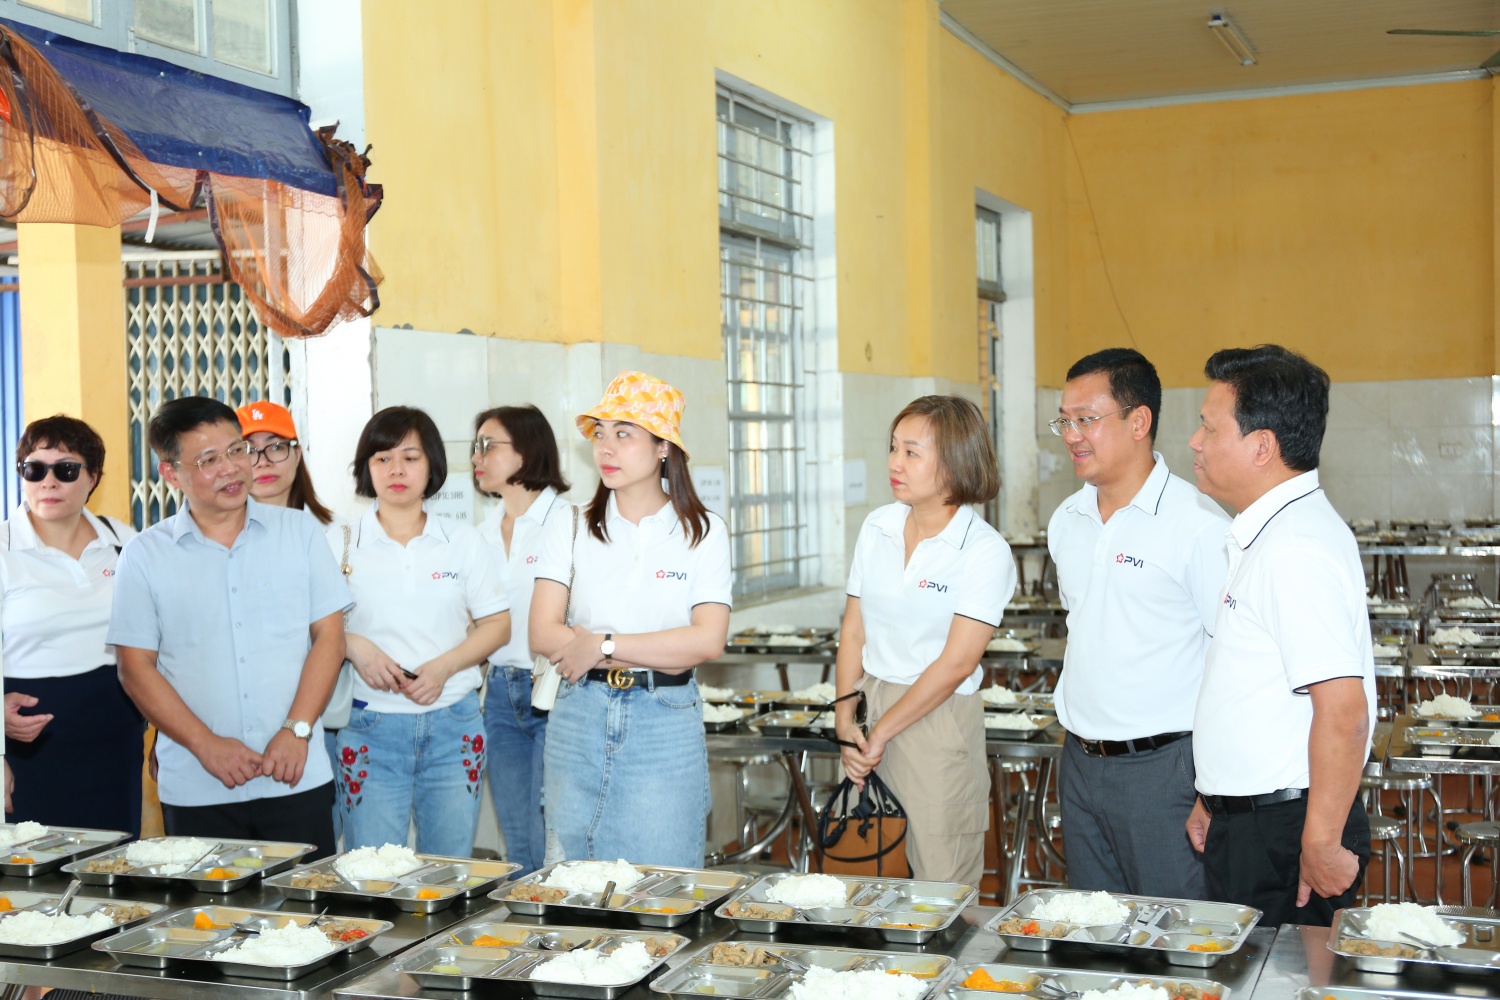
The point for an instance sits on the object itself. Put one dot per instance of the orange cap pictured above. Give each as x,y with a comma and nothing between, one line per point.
266,417
637,398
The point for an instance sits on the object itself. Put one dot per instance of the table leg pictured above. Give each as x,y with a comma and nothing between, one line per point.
795,762
1039,814
1018,848
997,823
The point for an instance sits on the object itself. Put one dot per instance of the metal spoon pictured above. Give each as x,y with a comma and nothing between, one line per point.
1418,941
61,906
250,927
609,890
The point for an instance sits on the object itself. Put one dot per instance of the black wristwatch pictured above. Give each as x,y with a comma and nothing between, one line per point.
607,647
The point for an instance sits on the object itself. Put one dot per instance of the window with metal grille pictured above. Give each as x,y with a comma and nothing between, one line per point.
765,252
189,332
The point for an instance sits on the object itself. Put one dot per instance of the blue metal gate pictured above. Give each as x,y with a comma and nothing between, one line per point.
10,399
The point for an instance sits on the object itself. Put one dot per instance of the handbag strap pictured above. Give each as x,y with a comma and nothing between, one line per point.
345,568
572,566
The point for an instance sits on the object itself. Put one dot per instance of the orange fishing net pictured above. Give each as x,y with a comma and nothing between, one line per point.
300,256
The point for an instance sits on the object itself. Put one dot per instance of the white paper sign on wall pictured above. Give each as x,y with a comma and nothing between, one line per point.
854,482
455,501
708,480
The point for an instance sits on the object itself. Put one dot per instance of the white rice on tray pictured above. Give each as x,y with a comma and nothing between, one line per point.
1128,991
31,927
1456,636
1495,739
1469,603
806,891
1386,921
825,984
593,876
721,713
592,967
824,692
1019,721
385,862
997,695
1082,909
710,693
1446,706
168,851
284,946
1006,645
25,830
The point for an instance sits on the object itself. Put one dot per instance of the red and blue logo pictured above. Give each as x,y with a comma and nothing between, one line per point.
941,588
1125,560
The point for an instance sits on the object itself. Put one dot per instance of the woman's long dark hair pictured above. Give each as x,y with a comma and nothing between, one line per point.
691,513
304,497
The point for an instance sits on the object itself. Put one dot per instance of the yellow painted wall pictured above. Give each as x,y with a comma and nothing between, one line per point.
1356,227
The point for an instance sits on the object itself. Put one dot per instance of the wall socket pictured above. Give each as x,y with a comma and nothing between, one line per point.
1450,449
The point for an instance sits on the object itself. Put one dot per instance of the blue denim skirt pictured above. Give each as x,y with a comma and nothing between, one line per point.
626,774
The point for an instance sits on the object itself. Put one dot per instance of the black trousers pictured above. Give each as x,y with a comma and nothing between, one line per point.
1255,859
303,817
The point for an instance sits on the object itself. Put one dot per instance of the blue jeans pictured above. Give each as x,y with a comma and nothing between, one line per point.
331,747
627,773
517,734
394,767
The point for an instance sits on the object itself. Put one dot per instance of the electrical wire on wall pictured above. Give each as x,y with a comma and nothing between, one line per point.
1088,200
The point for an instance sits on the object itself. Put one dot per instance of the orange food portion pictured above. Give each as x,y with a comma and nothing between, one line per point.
5,906
22,859
1206,946
1491,717
1031,927
202,922
219,873
429,894
488,941
981,980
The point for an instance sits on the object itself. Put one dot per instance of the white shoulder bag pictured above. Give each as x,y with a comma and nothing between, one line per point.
545,680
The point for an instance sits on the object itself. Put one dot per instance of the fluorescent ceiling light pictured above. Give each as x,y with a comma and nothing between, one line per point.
1237,44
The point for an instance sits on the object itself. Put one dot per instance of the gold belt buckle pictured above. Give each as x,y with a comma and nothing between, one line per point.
621,679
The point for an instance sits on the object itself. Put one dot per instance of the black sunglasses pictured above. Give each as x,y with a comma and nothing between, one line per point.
861,711
34,471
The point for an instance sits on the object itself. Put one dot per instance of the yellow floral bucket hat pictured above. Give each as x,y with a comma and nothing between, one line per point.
637,398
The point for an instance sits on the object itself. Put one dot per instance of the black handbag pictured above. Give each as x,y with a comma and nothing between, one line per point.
867,836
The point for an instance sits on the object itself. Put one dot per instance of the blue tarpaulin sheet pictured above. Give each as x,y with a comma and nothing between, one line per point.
182,118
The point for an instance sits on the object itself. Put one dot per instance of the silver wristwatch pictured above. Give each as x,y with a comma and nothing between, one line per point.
301,730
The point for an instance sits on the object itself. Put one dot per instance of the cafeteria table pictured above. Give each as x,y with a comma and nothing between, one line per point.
965,942
96,972
1300,958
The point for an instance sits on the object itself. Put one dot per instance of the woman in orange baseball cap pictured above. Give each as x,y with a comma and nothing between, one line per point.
626,767
278,476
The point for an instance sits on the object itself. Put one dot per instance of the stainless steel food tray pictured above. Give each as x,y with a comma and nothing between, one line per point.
1450,741
728,724
1478,722
1039,702
682,892
77,906
787,723
702,975
1479,953
1076,982
273,856
172,940
1363,993
1176,929
1042,722
451,879
923,910
761,701
440,963
60,845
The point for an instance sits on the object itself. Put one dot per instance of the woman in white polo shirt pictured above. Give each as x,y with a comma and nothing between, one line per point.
414,745
75,740
927,587
515,458
626,772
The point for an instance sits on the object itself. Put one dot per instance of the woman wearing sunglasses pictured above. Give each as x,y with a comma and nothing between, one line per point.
927,587
73,738
515,458
626,771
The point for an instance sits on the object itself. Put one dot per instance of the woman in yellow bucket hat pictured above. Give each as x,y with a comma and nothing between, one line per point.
626,768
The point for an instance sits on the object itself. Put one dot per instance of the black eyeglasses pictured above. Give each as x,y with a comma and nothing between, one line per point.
861,711
34,472
276,452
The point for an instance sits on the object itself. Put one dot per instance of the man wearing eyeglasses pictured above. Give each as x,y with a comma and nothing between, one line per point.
228,625
1140,558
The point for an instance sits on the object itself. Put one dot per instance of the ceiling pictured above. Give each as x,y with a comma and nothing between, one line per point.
1095,51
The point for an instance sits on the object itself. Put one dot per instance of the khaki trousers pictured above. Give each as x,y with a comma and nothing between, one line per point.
937,770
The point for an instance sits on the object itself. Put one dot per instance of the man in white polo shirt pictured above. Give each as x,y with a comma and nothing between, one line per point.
1140,560
1284,718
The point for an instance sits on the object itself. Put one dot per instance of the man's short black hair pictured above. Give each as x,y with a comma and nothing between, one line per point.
176,417
1132,379
1280,391
386,430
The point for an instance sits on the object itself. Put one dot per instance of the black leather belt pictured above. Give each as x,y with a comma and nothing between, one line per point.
1117,748
1223,804
623,679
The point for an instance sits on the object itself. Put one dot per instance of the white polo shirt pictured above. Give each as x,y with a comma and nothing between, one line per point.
646,578
56,609
414,601
1293,614
908,607
522,563
1141,593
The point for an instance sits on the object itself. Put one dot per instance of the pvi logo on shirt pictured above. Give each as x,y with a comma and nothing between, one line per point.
1231,602
670,574
531,559
107,572
1125,560
941,588
445,576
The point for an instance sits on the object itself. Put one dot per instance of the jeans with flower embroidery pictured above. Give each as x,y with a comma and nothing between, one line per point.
626,773
517,734
394,767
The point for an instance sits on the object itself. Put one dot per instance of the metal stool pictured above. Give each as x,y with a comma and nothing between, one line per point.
1409,789
1483,833
1386,832
746,812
